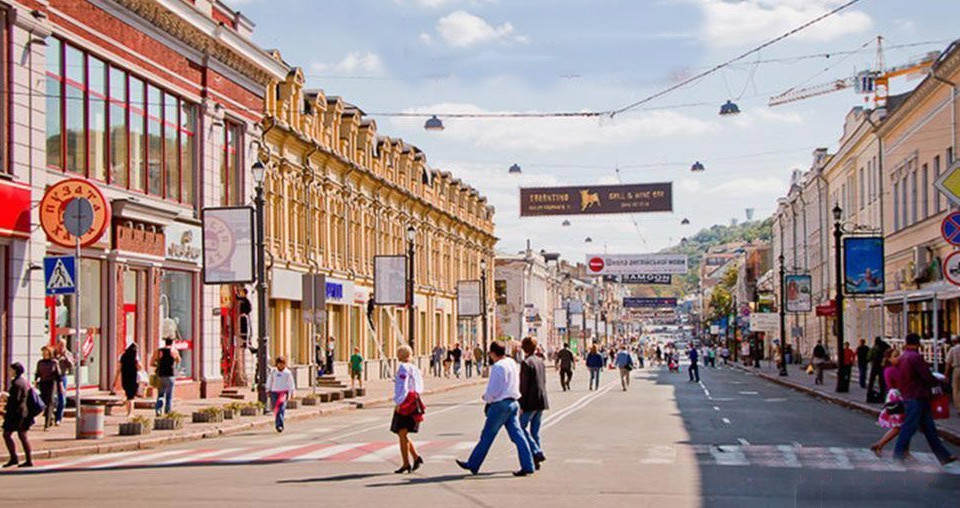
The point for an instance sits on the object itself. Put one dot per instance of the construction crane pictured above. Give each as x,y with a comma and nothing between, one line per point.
875,82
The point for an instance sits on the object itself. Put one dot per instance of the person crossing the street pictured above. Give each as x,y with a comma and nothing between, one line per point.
565,363
595,366
533,397
502,410
281,387
408,409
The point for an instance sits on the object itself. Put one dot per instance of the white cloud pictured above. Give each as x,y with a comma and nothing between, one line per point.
433,4
552,134
461,29
355,62
766,187
426,38
736,22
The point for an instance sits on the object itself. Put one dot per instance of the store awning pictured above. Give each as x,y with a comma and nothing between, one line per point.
943,291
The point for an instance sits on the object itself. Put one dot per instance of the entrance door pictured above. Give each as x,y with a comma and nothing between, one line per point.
132,320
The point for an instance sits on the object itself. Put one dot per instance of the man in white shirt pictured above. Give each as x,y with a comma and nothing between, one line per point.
281,387
502,410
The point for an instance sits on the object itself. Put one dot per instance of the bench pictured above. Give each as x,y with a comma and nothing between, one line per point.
107,401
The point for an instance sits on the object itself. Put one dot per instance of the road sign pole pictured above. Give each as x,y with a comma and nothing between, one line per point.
78,355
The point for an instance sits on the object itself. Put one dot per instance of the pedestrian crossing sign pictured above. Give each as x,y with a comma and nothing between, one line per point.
60,275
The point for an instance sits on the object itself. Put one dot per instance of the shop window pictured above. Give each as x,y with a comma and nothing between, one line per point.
231,193
171,147
176,315
154,142
137,140
59,322
119,174
74,88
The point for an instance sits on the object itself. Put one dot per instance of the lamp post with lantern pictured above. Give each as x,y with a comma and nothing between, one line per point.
259,171
411,318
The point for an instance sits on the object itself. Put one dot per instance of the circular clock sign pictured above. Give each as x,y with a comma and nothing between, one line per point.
90,207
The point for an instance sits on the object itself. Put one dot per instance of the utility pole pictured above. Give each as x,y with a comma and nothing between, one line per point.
783,316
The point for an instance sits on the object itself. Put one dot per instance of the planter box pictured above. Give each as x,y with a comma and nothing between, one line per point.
229,415
310,400
334,396
293,404
207,417
250,411
361,392
134,429
167,424
325,397
349,393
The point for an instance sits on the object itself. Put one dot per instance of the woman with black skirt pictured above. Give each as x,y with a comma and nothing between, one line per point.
407,381
128,369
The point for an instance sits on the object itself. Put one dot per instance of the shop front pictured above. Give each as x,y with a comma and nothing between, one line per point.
14,232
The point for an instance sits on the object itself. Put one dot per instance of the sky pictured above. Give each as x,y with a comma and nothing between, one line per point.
452,56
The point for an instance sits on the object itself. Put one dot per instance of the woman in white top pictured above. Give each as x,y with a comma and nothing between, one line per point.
408,379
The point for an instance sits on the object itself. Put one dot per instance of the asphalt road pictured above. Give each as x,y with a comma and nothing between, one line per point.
733,440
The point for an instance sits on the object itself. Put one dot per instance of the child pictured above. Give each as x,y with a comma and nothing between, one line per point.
281,386
356,368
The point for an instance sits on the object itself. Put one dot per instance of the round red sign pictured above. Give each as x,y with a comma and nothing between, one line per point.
596,264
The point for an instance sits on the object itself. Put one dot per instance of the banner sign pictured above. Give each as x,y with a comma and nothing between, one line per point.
468,298
799,290
599,199
314,304
390,280
650,279
764,322
863,265
228,246
631,302
559,318
636,264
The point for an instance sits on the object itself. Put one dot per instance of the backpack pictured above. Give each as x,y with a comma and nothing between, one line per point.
35,405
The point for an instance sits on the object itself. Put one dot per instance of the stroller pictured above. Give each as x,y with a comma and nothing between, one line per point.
673,363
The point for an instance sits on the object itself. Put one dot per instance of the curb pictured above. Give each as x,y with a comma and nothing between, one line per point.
155,442
948,435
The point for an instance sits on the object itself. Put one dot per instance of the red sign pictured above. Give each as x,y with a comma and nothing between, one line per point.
596,264
15,212
87,347
828,309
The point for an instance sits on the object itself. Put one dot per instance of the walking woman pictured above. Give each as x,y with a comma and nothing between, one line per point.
165,360
408,385
128,368
16,416
48,377
891,418
595,364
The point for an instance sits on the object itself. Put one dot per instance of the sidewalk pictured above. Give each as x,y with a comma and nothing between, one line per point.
61,442
798,379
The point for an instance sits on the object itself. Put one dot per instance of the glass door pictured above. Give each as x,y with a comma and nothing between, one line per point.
132,322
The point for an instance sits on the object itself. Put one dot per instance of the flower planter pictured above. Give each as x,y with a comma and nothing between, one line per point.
361,392
293,404
229,414
168,424
310,400
250,411
134,429
349,393
203,417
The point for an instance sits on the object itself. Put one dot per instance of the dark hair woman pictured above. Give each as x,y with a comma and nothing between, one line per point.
16,416
128,368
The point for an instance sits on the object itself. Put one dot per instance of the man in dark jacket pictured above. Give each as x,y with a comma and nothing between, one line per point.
875,357
565,363
533,397
862,363
915,382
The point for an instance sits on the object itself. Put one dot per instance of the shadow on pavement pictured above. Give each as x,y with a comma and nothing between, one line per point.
434,479
337,478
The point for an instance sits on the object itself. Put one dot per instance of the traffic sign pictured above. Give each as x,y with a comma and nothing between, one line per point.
949,183
951,268
950,228
60,275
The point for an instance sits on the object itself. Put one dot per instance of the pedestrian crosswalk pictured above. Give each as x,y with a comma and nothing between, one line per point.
789,456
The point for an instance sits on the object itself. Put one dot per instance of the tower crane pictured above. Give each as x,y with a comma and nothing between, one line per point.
875,82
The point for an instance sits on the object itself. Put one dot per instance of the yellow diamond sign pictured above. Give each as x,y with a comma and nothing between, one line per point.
949,183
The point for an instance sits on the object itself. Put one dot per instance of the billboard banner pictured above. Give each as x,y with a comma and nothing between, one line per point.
764,322
631,302
314,304
636,264
560,318
468,298
228,246
648,279
863,265
597,199
799,291
390,280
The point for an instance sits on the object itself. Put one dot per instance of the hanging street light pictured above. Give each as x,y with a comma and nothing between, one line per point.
433,124
588,240
697,167
685,222
515,169
565,223
729,108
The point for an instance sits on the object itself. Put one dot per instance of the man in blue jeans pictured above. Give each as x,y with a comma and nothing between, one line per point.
502,410
63,357
533,397
915,384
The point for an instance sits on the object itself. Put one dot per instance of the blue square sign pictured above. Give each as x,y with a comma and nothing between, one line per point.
60,275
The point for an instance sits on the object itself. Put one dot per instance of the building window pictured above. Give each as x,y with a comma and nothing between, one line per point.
113,127
231,193
938,207
176,317
924,192
913,197
862,187
896,206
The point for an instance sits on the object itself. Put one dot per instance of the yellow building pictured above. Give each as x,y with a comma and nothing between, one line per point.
337,195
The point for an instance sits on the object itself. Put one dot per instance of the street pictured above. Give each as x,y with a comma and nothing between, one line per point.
733,440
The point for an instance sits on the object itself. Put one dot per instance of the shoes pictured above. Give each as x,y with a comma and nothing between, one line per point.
522,473
417,462
464,465
280,428
11,463
949,460
404,469
537,460
876,450
28,463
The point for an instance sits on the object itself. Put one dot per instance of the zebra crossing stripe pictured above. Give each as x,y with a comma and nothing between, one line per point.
200,456
85,462
327,451
137,459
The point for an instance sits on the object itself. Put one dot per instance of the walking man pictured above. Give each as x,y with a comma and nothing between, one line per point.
875,357
533,397
468,362
819,358
953,370
694,368
862,363
478,359
565,362
915,382
455,354
624,362
502,410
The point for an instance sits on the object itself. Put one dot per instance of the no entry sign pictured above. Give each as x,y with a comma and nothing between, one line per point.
951,268
950,228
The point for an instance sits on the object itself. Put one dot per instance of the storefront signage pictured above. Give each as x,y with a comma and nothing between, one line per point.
286,285
648,279
468,298
764,322
15,212
228,246
339,291
799,290
600,199
390,280
183,243
632,302
863,265
951,268
634,264
53,208
828,309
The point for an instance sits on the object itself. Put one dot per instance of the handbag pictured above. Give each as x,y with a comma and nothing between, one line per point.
940,405
35,405
412,406
154,381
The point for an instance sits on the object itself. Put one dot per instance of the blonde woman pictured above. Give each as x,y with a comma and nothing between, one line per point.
408,385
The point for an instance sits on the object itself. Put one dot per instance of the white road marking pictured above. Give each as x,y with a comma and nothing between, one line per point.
796,444
789,456
142,458
83,460
386,422
743,441
383,454
749,393
840,456
258,454
198,456
775,400
716,408
728,455
328,451
576,406
582,461
725,420
660,454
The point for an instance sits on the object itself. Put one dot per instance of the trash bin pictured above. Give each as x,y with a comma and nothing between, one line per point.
91,422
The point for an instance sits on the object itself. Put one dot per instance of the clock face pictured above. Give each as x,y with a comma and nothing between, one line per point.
219,242
54,204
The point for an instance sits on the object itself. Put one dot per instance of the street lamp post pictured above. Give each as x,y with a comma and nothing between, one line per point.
783,318
843,382
411,318
259,172
483,305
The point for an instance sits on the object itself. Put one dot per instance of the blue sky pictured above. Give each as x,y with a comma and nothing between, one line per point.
573,55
